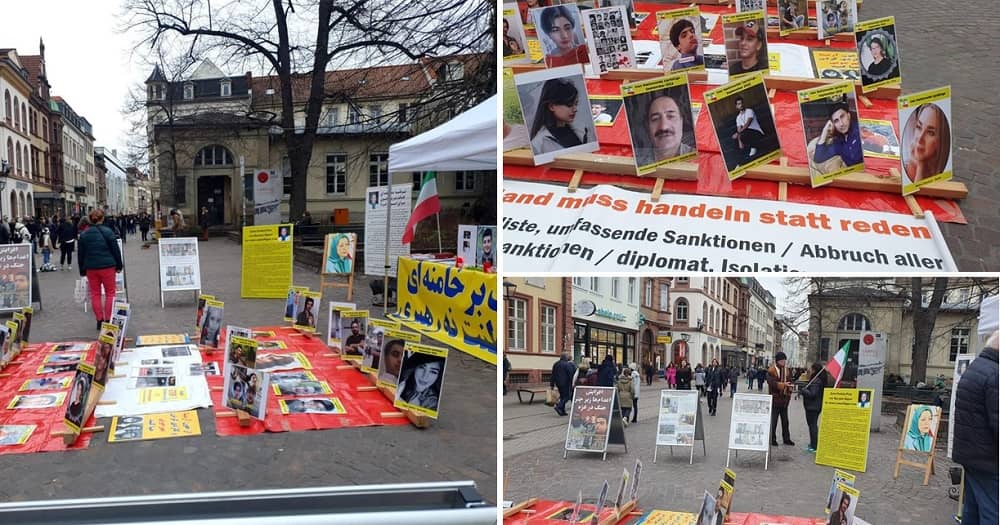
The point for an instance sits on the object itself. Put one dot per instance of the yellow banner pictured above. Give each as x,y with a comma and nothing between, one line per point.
267,261
162,394
667,517
843,428
154,426
455,307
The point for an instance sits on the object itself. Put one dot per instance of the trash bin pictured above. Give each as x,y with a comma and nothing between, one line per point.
341,216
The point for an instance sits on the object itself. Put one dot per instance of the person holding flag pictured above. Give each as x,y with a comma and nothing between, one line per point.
428,204
812,402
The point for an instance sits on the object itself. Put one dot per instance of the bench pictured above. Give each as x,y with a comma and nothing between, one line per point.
530,390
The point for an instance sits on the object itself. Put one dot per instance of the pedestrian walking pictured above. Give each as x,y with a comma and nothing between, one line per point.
761,377
684,376
751,376
506,373
562,379
45,244
144,226
975,443
671,375
715,380
607,372
699,379
625,393
100,259
734,376
649,369
67,244
812,402
779,384
636,384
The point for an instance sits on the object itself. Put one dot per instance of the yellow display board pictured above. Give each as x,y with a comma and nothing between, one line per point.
162,394
267,261
455,307
843,428
154,426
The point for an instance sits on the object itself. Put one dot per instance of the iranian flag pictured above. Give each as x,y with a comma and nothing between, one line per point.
838,363
427,204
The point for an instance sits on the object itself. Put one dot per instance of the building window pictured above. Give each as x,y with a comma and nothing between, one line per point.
647,294
578,281
615,285
517,324
595,284
332,116
336,173
374,113
854,322
353,115
378,169
403,107
631,290
188,91
226,88
547,320
682,279
213,156
17,113
6,104
465,181
180,191
959,343
664,296
681,313
455,71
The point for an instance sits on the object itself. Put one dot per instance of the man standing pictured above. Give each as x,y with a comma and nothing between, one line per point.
506,372
665,129
975,446
562,379
780,386
636,384
607,372
715,379
734,376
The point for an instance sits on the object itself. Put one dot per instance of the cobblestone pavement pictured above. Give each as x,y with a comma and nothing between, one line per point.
946,58
793,484
460,446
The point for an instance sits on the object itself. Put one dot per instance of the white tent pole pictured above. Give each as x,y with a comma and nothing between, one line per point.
438,217
385,271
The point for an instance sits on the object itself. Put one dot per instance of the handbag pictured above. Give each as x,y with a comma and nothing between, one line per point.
80,293
551,396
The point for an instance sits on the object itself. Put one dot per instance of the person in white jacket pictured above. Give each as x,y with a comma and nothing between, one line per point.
636,383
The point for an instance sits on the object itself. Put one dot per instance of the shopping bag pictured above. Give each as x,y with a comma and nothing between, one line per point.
80,294
551,396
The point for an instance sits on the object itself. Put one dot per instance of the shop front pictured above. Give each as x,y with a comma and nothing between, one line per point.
592,341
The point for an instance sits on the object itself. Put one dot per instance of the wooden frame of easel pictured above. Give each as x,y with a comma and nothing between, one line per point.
927,466
625,511
780,173
333,280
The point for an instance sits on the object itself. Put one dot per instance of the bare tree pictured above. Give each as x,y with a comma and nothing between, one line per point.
272,36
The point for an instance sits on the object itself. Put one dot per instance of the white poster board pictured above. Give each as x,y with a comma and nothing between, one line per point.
376,211
467,238
871,369
267,191
678,415
180,267
169,367
962,362
750,425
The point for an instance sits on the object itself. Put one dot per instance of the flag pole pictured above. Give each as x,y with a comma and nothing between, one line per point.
438,217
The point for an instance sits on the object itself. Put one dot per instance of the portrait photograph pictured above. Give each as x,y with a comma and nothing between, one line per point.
550,100
744,125
864,399
103,360
793,15
391,360
745,43
312,405
37,401
421,379
605,109
879,139
926,138
878,54
706,514
680,39
292,302
211,326
609,39
15,434
921,428
339,255
514,42
844,504
284,233
560,33
353,330
835,16
839,476
832,131
78,395
373,347
629,6
486,246
659,121
300,388
308,311
200,312
47,383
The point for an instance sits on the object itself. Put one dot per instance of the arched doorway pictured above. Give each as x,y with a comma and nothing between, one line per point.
704,354
679,351
24,207
646,354
13,205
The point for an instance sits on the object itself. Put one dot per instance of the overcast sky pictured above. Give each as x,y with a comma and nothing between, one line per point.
87,62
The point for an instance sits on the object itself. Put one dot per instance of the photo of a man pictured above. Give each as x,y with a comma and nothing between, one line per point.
660,121
307,317
284,233
792,15
747,52
864,399
680,39
744,125
484,252
354,344
832,132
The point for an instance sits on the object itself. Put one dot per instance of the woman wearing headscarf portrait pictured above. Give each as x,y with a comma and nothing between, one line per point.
920,435
340,258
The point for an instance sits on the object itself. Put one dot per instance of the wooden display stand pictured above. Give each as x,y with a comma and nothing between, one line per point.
69,435
337,280
927,465
627,510
417,419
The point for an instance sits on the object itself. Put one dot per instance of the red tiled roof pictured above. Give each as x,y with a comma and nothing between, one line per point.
33,63
356,84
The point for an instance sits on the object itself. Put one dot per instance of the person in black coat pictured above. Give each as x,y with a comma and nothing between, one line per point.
975,443
607,372
67,244
684,375
812,402
716,378
562,378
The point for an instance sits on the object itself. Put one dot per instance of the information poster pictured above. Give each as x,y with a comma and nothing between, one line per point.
590,419
678,411
610,229
15,276
376,214
750,425
154,426
871,368
180,267
267,261
844,428
267,190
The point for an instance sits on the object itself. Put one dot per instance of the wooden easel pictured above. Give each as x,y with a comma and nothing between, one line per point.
336,280
927,466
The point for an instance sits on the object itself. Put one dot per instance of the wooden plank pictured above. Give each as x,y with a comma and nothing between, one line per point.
782,191
519,507
890,92
574,181
635,74
611,164
657,190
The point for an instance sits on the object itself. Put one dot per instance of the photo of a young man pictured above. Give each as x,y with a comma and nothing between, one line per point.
744,125
680,39
792,15
746,50
604,110
832,132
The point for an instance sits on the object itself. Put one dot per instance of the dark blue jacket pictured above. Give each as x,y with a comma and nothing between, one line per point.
812,394
975,442
99,249
562,376
607,372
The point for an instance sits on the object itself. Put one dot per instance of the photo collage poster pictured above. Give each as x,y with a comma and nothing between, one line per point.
245,388
835,17
660,123
334,336
751,422
925,130
391,357
675,424
353,329
119,317
421,379
292,300
832,131
179,264
609,39
15,276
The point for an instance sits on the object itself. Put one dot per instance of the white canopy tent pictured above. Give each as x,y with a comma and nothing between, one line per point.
466,142
989,317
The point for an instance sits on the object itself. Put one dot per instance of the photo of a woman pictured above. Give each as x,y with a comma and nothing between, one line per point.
340,253
921,430
512,45
420,380
561,36
212,325
926,147
78,398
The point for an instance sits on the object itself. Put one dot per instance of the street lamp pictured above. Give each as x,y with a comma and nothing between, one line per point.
509,289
